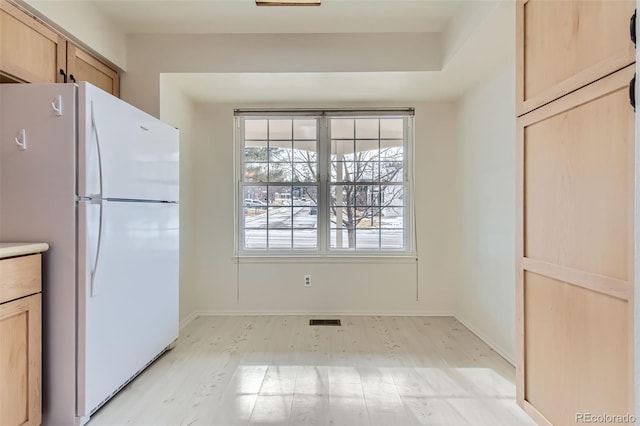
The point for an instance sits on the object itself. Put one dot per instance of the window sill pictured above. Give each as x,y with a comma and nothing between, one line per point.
328,259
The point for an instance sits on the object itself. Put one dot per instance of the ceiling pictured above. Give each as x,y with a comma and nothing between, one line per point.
489,47
243,16
476,38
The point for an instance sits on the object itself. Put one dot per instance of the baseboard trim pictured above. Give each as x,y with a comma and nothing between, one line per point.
188,319
482,336
325,313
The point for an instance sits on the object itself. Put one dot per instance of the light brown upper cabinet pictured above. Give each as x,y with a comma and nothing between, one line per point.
30,51
81,66
564,45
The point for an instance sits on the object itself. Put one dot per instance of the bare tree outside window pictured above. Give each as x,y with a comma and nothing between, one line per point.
367,182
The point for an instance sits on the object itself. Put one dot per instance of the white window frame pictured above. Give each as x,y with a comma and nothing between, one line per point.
324,183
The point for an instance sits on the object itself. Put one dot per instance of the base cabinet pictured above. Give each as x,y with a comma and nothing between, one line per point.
21,341
20,362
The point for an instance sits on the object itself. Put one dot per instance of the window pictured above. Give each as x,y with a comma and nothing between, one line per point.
324,182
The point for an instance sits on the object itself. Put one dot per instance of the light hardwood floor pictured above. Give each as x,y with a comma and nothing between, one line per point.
278,370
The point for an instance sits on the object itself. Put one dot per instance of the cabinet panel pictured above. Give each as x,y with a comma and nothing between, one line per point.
20,362
575,253
29,50
81,66
578,165
564,45
577,350
20,276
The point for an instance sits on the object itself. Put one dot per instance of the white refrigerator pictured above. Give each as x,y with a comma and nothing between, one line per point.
97,179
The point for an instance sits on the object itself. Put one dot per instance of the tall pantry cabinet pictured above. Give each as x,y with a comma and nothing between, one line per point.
575,183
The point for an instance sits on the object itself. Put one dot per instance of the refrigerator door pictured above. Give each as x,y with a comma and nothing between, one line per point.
127,293
124,153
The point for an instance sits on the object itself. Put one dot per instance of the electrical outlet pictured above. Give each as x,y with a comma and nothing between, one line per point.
307,280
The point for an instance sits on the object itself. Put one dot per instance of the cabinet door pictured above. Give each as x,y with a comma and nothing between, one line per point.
81,66
20,362
29,50
564,45
575,254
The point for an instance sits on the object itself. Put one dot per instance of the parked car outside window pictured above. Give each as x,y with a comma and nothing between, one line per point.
256,204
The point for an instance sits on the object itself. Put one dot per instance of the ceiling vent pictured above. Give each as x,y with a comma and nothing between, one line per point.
288,2
324,322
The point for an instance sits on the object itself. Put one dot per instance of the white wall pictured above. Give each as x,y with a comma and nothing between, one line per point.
148,56
83,22
373,287
178,111
486,292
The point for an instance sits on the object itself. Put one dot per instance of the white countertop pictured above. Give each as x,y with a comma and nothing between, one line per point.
20,249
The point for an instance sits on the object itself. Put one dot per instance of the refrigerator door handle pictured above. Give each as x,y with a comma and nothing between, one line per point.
94,288
97,199
95,131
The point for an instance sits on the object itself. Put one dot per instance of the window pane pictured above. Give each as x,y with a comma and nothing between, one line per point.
393,217
305,239
304,172
255,172
391,150
304,217
367,195
255,196
342,150
392,239
392,195
367,150
280,195
391,172
367,238
255,151
391,128
280,129
305,129
342,128
255,129
342,238
280,172
366,171
342,195
280,217
279,239
367,128
255,239
392,224
309,195
280,152
342,171
305,151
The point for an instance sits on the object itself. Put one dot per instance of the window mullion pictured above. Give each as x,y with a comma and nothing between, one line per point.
324,156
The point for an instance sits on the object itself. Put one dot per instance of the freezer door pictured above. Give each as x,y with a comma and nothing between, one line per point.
127,293
123,152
